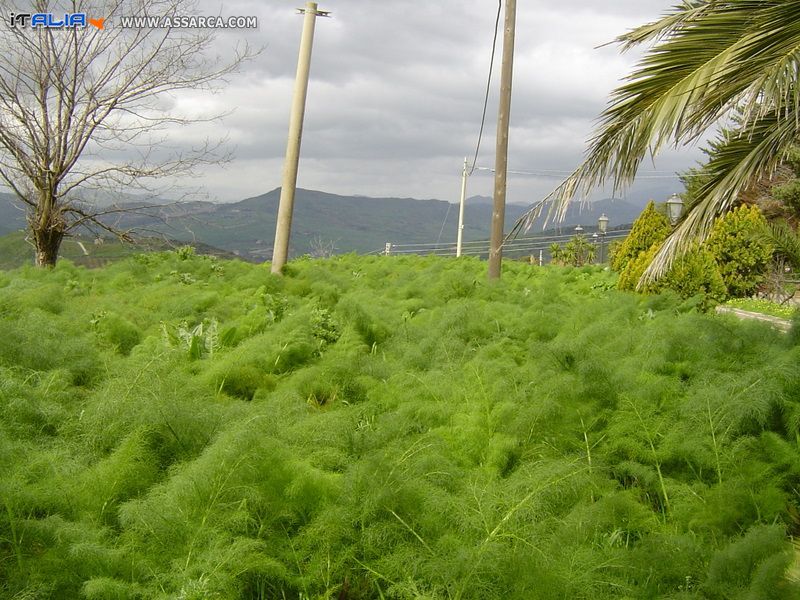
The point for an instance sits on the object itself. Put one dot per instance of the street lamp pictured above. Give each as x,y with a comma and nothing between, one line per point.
602,227
674,208
578,230
602,224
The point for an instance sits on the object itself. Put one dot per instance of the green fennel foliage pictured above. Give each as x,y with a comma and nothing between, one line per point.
387,427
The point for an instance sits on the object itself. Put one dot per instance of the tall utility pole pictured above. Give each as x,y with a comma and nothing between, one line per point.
461,208
283,229
501,156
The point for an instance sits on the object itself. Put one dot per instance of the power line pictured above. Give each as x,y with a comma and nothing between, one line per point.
529,239
488,83
482,246
554,174
444,222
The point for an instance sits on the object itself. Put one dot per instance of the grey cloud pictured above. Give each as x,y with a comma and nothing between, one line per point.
397,87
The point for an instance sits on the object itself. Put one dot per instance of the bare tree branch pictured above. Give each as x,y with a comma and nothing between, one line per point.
69,96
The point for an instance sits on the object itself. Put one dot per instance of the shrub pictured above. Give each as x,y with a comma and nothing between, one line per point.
742,257
695,274
632,272
651,227
788,194
577,252
323,326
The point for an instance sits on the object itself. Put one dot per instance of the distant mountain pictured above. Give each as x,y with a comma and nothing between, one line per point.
12,215
620,212
12,211
346,223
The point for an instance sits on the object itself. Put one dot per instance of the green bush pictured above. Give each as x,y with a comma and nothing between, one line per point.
649,229
693,275
577,252
788,194
742,257
634,269
730,260
696,274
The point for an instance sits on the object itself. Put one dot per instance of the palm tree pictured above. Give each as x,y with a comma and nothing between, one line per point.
785,240
712,62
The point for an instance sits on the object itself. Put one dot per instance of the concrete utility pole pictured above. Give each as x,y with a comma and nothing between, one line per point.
461,208
283,229
501,156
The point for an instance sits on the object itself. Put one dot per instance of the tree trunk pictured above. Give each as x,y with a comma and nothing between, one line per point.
47,244
48,228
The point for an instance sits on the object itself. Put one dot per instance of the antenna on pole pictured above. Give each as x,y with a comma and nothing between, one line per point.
283,228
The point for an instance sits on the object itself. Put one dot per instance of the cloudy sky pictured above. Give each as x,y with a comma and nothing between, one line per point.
396,93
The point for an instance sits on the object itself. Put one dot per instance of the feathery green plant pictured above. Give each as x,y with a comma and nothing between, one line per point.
387,427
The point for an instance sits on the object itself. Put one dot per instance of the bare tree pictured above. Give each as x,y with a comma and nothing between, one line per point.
321,248
88,107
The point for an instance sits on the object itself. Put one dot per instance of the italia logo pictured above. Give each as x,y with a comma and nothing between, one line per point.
51,21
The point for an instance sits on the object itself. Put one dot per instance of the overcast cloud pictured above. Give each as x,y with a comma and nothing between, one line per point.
396,93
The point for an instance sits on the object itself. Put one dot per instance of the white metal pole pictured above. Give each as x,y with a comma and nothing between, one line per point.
461,208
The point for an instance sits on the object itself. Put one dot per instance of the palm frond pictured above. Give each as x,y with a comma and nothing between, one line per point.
710,59
784,239
680,14
739,159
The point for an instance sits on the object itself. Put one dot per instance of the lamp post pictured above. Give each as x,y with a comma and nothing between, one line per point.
674,208
602,227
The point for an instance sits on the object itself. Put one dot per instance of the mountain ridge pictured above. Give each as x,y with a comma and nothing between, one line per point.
327,222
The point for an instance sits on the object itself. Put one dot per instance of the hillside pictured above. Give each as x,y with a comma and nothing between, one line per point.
86,251
348,223
181,427
12,217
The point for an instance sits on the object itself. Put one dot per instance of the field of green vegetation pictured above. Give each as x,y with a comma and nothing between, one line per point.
175,426
15,251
